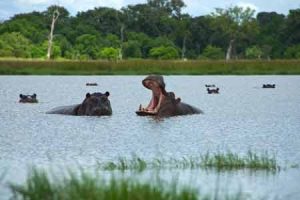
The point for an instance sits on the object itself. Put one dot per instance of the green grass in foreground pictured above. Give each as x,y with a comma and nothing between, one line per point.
219,161
142,67
40,186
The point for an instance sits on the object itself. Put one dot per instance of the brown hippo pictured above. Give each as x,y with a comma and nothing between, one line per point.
28,98
164,104
96,104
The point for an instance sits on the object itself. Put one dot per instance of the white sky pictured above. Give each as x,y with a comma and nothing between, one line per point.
8,8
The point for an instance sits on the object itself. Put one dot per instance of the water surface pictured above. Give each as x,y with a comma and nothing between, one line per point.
242,117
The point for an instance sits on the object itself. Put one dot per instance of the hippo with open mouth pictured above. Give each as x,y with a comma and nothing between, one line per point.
164,104
96,104
28,98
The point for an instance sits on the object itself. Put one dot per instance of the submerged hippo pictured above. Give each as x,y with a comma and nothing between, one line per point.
96,104
268,86
164,104
213,91
28,98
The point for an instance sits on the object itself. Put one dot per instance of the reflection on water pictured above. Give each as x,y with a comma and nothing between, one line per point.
243,116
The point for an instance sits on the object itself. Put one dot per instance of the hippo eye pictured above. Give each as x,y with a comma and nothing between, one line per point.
104,99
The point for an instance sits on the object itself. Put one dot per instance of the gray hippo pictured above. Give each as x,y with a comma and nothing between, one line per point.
96,104
213,91
28,98
163,103
268,86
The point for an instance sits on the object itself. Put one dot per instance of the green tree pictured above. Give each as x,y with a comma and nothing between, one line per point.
143,40
271,31
132,49
164,52
212,52
292,52
110,53
87,45
254,52
30,25
14,45
292,30
235,26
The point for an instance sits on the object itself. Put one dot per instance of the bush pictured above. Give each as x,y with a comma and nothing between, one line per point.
132,49
292,52
109,53
212,52
164,52
253,52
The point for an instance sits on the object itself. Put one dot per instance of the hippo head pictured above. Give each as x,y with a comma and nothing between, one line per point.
28,98
95,104
162,102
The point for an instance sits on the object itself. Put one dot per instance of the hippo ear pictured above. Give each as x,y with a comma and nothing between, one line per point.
34,95
21,96
88,95
178,100
107,93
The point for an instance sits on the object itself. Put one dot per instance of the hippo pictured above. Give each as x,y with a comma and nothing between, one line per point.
95,104
163,103
268,86
91,84
28,98
213,91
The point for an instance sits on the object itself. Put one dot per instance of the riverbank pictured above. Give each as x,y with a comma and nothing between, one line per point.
142,67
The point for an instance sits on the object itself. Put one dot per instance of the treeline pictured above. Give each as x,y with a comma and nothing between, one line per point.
157,29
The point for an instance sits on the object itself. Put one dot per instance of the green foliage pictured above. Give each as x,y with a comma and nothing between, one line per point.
132,49
14,45
212,52
292,27
293,52
164,52
110,53
87,45
38,51
152,25
112,41
254,52
270,35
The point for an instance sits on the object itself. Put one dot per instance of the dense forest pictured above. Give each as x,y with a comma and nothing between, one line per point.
157,29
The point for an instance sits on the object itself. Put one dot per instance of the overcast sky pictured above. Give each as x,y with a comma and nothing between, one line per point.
8,8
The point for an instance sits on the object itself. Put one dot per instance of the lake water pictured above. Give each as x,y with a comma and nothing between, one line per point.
242,117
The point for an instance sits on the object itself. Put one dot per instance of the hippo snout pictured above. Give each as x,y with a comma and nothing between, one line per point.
101,111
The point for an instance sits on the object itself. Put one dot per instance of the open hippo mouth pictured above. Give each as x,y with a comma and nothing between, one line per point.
156,85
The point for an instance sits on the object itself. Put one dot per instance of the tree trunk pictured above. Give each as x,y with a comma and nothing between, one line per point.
229,50
122,40
54,18
183,50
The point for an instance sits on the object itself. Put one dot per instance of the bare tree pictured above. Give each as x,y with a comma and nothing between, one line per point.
55,16
230,50
183,50
122,41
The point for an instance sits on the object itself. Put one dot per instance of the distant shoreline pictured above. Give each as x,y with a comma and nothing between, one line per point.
142,67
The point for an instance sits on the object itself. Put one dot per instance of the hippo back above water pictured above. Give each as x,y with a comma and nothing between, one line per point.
96,104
